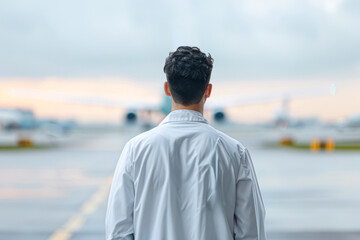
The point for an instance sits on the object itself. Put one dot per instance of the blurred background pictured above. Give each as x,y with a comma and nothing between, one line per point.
80,78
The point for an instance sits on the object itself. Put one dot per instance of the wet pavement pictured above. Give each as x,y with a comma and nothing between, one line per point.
61,193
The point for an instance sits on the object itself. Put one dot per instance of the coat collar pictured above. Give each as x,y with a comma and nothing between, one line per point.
184,115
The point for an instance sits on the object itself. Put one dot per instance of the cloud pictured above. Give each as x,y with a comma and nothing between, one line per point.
248,38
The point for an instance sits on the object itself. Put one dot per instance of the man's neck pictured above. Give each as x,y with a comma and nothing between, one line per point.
195,107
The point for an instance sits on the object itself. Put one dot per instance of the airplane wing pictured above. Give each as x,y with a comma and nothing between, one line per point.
147,104
267,97
54,96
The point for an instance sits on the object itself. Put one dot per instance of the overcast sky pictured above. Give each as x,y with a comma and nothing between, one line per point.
131,38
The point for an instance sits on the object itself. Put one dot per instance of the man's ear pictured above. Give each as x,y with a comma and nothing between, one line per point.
167,89
208,90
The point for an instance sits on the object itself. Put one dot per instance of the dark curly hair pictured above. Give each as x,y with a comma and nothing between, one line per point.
188,72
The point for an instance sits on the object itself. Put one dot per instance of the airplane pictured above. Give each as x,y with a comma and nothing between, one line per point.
17,118
350,123
283,119
216,105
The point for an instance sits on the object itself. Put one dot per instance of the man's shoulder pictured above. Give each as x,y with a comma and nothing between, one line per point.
144,137
228,140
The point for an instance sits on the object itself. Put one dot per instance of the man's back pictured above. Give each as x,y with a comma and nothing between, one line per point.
184,180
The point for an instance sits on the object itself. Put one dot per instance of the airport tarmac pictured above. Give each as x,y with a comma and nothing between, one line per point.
61,193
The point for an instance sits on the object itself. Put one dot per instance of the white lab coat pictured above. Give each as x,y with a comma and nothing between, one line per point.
184,180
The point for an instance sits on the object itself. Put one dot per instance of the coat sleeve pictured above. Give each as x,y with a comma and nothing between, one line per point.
119,214
249,209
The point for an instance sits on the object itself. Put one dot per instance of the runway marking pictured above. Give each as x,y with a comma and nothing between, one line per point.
78,219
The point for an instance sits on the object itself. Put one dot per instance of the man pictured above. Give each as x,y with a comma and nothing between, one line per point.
185,180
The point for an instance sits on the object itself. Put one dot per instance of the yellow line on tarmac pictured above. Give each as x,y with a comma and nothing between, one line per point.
78,219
